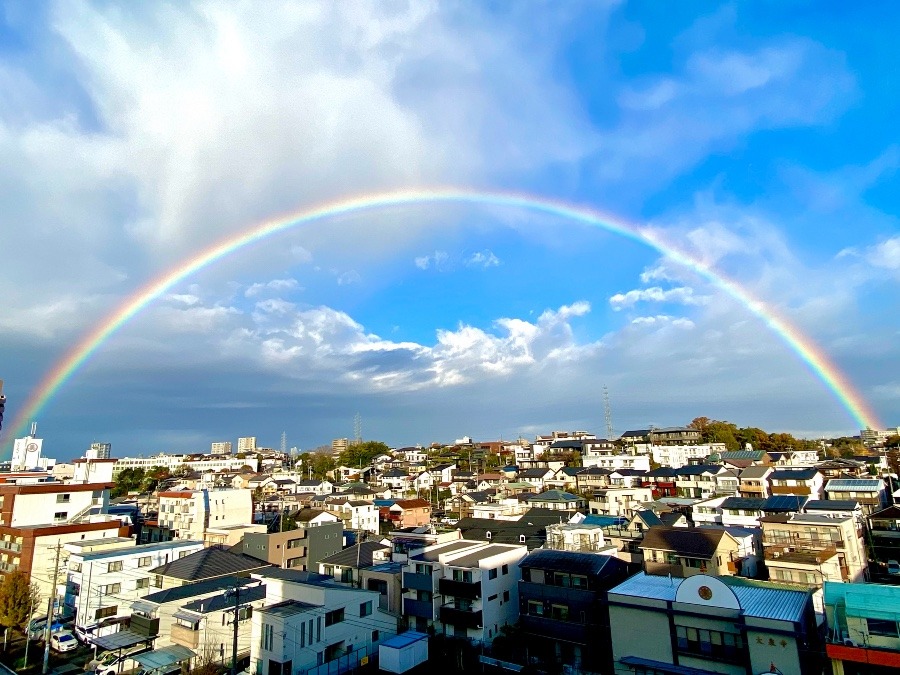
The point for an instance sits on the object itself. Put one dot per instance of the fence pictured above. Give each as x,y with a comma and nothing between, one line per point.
347,662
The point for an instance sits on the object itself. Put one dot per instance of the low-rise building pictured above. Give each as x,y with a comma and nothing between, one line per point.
754,482
624,501
869,493
683,552
799,482
863,636
318,535
705,624
410,513
187,514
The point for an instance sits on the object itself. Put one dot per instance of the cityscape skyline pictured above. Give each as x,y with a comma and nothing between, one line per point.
731,143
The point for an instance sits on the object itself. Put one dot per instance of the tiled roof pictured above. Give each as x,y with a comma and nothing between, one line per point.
573,562
743,503
831,505
693,542
359,555
793,474
210,562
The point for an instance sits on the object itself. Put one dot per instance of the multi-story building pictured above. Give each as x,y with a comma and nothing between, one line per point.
701,481
318,535
104,577
563,610
409,513
801,482
870,493
220,448
622,501
463,588
708,511
306,624
810,549
884,530
188,514
754,482
356,514
99,451
339,445
706,624
620,460
201,464
246,444
674,436
863,636
677,456
742,511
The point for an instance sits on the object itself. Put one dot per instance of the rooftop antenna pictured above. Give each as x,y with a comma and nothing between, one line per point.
33,429
607,413
357,428
283,443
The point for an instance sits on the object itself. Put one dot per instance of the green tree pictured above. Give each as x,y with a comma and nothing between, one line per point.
362,454
18,600
892,442
321,462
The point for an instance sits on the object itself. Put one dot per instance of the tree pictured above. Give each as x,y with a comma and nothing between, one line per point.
362,454
18,600
321,463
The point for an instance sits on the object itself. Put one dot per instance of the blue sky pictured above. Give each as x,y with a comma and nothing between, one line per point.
761,137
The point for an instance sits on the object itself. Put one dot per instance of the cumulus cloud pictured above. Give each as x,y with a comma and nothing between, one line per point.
884,255
275,285
681,295
663,320
484,259
436,260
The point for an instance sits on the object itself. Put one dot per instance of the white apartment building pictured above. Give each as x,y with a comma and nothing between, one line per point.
172,462
464,588
614,462
356,514
677,456
104,577
306,624
622,501
220,448
190,513
247,444
708,511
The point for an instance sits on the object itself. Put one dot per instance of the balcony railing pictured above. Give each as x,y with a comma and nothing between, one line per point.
420,608
460,589
10,546
419,582
799,556
803,541
467,618
184,636
663,569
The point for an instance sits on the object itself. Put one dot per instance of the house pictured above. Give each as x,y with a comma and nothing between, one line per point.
536,477
318,534
529,529
556,500
309,623
592,478
742,511
317,487
749,558
754,482
345,565
578,537
743,459
674,436
661,481
684,552
563,607
355,514
442,473
104,576
837,508
464,588
708,511
862,636
884,530
810,549
623,501
870,493
565,478
209,563
800,482
619,460
422,480
627,536
397,480
626,478
410,512
697,481
708,624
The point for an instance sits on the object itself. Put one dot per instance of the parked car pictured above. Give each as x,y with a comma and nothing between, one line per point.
893,567
111,662
63,641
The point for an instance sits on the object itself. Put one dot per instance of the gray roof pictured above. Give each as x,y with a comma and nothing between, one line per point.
855,484
221,601
198,588
744,503
573,562
831,505
755,471
472,559
432,555
210,562
359,555
784,503
757,599
693,542
554,496
288,608
794,474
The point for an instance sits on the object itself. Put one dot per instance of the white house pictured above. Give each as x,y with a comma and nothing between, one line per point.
356,514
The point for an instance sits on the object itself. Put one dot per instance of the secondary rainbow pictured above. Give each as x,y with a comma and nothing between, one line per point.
808,351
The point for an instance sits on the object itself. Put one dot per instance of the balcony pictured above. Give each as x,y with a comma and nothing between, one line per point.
663,569
184,636
421,608
886,658
10,546
790,490
466,618
801,555
460,589
551,628
418,582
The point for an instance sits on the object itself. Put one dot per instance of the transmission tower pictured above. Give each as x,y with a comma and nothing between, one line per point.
607,413
283,443
357,428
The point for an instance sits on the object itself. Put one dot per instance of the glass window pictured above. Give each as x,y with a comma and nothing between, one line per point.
559,612
492,574
505,569
882,627
145,561
334,616
535,608
365,608
115,566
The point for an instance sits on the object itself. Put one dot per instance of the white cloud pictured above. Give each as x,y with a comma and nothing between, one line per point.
681,295
484,259
349,277
663,320
884,255
437,260
276,285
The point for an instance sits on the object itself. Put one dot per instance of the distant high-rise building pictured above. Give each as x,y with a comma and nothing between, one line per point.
247,444
99,451
221,448
338,445
2,403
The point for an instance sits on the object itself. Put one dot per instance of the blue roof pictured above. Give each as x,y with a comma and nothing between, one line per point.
757,598
404,639
857,484
603,521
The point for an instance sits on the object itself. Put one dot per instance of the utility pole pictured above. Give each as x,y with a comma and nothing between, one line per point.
50,603
234,639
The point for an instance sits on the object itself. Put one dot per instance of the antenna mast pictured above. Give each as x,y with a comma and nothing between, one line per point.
283,443
357,428
607,413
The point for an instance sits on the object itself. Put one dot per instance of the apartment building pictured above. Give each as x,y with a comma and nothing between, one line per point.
463,588
700,481
188,514
354,513
677,456
104,577
810,549
220,448
318,535
706,624
863,636
306,624
563,610
192,462
622,501
869,493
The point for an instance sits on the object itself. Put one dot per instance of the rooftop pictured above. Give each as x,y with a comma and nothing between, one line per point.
287,608
136,550
214,561
568,561
360,555
472,559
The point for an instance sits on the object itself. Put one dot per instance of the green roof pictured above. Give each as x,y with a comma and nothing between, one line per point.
873,601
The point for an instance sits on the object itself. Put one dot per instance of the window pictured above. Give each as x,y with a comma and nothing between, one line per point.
492,597
115,566
334,616
74,566
104,612
710,643
157,581
579,581
535,608
505,596
60,515
145,561
245,612
559,612
492,574
268,637
365,608
183,554
63,499
882,627
463,575
505,569
526,574
375,636
110,589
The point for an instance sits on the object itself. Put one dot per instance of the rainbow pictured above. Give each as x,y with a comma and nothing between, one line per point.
805,348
